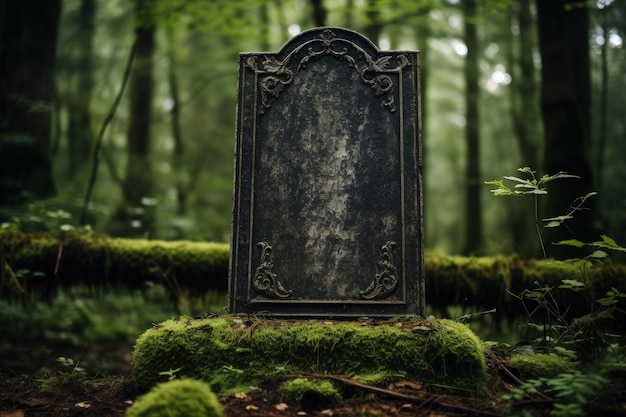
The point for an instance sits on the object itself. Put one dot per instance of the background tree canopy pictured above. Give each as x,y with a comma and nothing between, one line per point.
137,98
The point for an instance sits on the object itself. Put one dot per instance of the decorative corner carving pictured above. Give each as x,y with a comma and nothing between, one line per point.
265,280
386,280
275,75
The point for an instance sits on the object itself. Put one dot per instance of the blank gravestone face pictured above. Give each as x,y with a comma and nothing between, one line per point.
327,214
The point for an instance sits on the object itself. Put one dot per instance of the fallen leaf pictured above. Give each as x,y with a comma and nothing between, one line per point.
281,407
14,413
242,396
406,385
82,404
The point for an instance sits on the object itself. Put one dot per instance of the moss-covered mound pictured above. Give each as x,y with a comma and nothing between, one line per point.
233,353
541,365
178,398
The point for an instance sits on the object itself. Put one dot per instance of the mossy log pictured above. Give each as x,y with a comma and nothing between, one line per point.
44,262
233,353
31,262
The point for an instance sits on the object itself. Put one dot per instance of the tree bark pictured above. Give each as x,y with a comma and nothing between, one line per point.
319,13
28,39
565,107
374,26
138,183
525,119
80,134
473,210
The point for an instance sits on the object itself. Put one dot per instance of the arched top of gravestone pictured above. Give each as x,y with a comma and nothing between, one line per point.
277,71
327,36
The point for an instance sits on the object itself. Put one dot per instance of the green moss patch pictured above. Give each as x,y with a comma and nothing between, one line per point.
178,398
44,262
541,365
294,389
233,353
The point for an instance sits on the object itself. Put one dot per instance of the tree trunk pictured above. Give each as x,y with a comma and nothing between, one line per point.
319,13
79,129
137,209
473,211
373,27
603,100
28,39
525,119
565,107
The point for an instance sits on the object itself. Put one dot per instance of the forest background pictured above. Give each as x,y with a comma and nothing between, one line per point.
120,115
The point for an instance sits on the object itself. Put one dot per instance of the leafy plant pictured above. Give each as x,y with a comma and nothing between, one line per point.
570,392
534,186
69,363
558,332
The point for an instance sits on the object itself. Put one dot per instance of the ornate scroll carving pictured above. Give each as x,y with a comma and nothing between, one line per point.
275,75
386,280
265,280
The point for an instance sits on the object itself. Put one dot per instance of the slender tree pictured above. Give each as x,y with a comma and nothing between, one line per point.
566,111
319,13
28,38
139,183
473,187
80,135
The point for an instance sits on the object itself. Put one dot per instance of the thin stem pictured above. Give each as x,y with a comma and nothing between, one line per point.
543,248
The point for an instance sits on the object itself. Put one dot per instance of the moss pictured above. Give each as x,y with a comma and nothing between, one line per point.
184,398
74,258
295,388
477,283
229,352
546,365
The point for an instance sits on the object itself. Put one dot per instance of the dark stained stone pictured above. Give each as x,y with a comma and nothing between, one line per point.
327,213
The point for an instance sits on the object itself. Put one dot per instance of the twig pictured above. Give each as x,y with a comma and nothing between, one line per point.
518,381
58,263
105,124
405,397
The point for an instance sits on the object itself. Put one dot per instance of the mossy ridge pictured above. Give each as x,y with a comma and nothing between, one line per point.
295,388
541,365
101,261
178,398
233,354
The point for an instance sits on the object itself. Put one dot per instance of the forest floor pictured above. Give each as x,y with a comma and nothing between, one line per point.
33,382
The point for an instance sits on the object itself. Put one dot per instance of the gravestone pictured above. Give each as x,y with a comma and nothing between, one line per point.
327,207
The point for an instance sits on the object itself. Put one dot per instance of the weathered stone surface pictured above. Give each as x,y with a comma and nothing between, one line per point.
327,214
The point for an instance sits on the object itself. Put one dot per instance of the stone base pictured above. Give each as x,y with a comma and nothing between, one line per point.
236,353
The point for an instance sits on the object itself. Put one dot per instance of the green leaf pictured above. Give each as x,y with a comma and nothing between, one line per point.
598,254
559,218
570,242
523,181
558,175
572,284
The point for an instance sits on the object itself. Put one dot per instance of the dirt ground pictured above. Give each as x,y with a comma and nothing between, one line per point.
33,383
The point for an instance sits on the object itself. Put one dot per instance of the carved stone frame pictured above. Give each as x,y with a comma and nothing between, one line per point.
393,261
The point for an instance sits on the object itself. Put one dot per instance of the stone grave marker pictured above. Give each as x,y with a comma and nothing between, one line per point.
327,207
